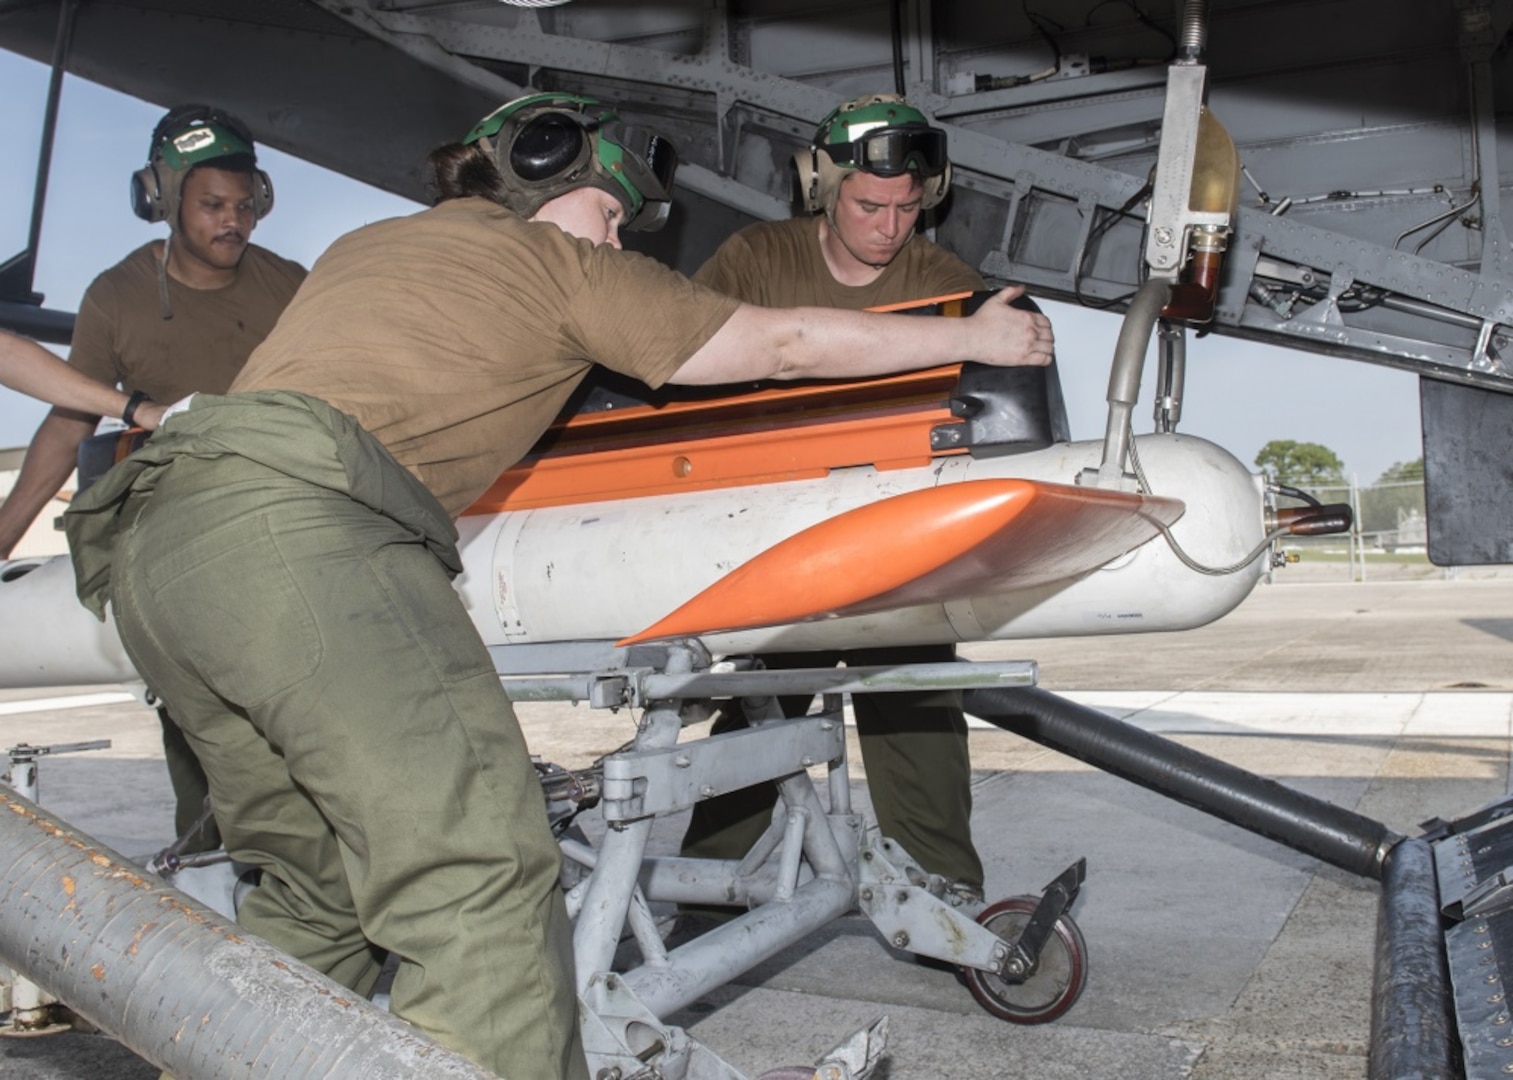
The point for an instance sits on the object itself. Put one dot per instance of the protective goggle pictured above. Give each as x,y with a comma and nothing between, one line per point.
643,163
893,151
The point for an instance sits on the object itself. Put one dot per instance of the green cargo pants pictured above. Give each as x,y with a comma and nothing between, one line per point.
190,789
359,750
919,773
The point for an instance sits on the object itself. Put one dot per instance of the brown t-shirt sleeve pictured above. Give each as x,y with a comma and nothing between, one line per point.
637,317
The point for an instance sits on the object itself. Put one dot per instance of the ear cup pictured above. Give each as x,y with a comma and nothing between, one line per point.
935,189
806,173
547,147
147,194
262,194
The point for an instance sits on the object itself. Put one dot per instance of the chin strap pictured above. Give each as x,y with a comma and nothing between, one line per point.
164,307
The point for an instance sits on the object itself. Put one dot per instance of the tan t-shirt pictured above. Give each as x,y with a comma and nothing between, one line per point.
780,264
456,335
120,336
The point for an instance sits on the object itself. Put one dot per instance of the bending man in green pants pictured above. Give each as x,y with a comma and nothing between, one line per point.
874,165
279,559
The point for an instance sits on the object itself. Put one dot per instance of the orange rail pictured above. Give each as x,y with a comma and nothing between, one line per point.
764,436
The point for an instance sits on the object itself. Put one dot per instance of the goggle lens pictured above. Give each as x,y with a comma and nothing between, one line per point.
894,151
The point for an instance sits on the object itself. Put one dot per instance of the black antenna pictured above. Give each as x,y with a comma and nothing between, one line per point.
20,307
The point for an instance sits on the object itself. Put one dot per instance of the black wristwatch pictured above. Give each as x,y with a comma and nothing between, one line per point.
129,414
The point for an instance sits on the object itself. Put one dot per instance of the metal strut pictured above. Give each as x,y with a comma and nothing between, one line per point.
1024,954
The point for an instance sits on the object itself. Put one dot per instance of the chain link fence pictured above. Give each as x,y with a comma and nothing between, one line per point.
1390,537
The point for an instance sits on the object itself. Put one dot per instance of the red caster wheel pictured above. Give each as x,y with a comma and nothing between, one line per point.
1055,984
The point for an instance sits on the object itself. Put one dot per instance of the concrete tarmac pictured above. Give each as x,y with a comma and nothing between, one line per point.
1213,953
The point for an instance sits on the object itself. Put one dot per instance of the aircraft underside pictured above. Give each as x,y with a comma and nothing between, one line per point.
1370,222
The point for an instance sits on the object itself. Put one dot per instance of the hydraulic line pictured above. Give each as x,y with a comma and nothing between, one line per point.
1412,1029
1331,833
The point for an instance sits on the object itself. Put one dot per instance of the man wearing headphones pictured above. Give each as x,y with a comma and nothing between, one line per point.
279,559
874,165
177,315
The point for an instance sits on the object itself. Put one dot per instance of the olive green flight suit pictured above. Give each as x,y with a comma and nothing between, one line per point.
286,584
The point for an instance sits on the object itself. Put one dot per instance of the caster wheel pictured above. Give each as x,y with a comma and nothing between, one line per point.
1057,981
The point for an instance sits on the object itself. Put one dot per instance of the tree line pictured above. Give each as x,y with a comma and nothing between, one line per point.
1312,466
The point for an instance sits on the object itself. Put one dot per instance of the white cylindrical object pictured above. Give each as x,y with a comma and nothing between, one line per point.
607,570
47,638
610,569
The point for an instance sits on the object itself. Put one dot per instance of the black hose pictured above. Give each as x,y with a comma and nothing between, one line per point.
1412,1029
896,25
1331,833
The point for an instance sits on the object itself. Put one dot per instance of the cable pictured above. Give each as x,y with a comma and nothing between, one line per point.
1095,233
1141,18
1188,560
1038,21
1295,493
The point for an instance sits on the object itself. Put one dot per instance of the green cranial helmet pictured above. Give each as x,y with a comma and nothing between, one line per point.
546,145
187,136
880,134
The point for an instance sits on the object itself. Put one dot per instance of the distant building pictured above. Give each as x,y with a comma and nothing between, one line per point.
1411,534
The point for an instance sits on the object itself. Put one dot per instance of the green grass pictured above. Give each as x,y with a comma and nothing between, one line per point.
1342,555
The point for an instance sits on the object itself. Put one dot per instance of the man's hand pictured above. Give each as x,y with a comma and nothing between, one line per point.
1011,337
149,415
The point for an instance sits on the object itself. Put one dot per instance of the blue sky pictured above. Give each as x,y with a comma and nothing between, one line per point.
1239,394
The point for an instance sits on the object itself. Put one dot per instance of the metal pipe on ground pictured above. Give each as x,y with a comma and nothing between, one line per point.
1331,833
174,981
1412,1028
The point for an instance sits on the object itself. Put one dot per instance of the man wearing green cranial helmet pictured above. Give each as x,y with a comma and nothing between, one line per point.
178,315
880,134
874,165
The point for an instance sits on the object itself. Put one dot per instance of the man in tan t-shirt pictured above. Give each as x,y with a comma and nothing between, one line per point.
874,165
177,315
279,559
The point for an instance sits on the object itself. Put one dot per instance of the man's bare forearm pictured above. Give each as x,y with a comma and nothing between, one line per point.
800,343
28,368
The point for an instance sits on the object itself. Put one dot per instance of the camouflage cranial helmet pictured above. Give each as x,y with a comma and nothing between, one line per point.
188,136
546,145
880,134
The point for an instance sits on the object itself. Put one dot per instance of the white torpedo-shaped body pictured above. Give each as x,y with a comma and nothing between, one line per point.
930,507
